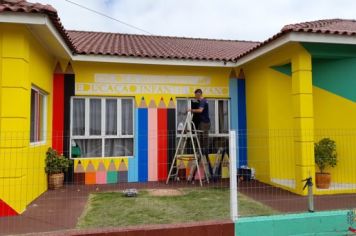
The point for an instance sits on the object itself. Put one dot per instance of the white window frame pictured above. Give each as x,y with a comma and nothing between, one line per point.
216,106
103,134
44,116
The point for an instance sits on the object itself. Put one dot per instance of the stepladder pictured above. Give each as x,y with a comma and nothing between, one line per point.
189,135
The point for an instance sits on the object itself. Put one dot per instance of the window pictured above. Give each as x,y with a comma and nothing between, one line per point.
218,113
219,120
38,116
102,127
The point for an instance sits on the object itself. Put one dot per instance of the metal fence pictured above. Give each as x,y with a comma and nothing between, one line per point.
119,190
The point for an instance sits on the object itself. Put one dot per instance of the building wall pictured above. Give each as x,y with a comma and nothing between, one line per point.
271,122
24,62
335,114
154,133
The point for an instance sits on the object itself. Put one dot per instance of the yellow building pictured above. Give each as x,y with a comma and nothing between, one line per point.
113,102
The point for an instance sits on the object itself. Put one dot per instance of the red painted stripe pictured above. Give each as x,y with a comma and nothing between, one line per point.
162,143
6,210
58,112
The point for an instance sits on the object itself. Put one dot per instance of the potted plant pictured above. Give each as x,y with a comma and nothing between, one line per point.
56,165
325,156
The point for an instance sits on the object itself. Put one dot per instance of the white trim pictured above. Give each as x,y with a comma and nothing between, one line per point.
103,125
36,144
35,19
23,18
263,50
217,118
234,203
43,128
118,120
86,119
151,61
58,37
322,38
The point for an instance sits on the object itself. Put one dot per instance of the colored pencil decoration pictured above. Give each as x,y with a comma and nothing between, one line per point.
189,167
90,174
142,141
101,173
133,162
79,174
171,131
111,177
202,172
122,173
152,141
181,170
225,173
162,140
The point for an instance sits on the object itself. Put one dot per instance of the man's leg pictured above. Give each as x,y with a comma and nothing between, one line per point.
204,142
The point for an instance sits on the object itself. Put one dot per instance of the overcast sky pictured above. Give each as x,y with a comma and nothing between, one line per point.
223,19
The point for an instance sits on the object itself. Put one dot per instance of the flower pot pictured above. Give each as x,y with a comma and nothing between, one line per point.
323,180
55,181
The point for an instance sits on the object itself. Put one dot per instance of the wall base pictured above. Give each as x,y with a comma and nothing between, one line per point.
319,223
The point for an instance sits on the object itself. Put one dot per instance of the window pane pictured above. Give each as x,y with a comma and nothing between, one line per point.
223,117
78,117
95,117
212,115
127,116
89,147
41,117
33,116
118,147
38,116
182,107
111,117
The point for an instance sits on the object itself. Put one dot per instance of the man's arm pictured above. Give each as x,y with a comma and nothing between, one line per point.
200,109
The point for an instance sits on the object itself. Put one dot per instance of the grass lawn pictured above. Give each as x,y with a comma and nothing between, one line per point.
196,204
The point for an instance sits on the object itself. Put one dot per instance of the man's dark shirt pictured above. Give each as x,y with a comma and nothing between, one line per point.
204,115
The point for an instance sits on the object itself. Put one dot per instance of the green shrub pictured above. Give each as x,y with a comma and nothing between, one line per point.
56,163
325,154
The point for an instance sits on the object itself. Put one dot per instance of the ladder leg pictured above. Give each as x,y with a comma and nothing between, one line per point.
196,158
203,160
177,150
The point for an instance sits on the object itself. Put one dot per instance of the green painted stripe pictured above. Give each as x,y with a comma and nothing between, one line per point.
319,223
284,69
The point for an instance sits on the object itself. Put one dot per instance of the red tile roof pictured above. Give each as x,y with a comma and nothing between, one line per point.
149,46
327,26
164,47
331,26
27,7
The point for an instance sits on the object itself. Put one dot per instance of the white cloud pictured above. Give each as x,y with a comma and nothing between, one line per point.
229,19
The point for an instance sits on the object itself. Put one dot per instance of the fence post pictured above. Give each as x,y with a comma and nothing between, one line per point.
233,176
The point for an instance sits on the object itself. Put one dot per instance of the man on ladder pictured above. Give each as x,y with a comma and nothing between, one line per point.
203,123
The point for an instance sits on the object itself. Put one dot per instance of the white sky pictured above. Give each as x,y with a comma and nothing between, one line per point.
223,19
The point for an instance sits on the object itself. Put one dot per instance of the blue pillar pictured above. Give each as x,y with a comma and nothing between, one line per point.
242,138
238,117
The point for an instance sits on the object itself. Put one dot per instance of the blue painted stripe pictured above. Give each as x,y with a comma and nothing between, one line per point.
234,111
242,124
133,162
142,144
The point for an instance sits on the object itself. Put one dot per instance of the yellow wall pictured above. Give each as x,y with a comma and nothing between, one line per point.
217,85
270,116
24,62
335,118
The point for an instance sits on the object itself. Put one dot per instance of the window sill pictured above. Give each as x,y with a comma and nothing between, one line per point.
100,158
37,144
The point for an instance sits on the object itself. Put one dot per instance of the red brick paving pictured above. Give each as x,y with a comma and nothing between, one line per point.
60,209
